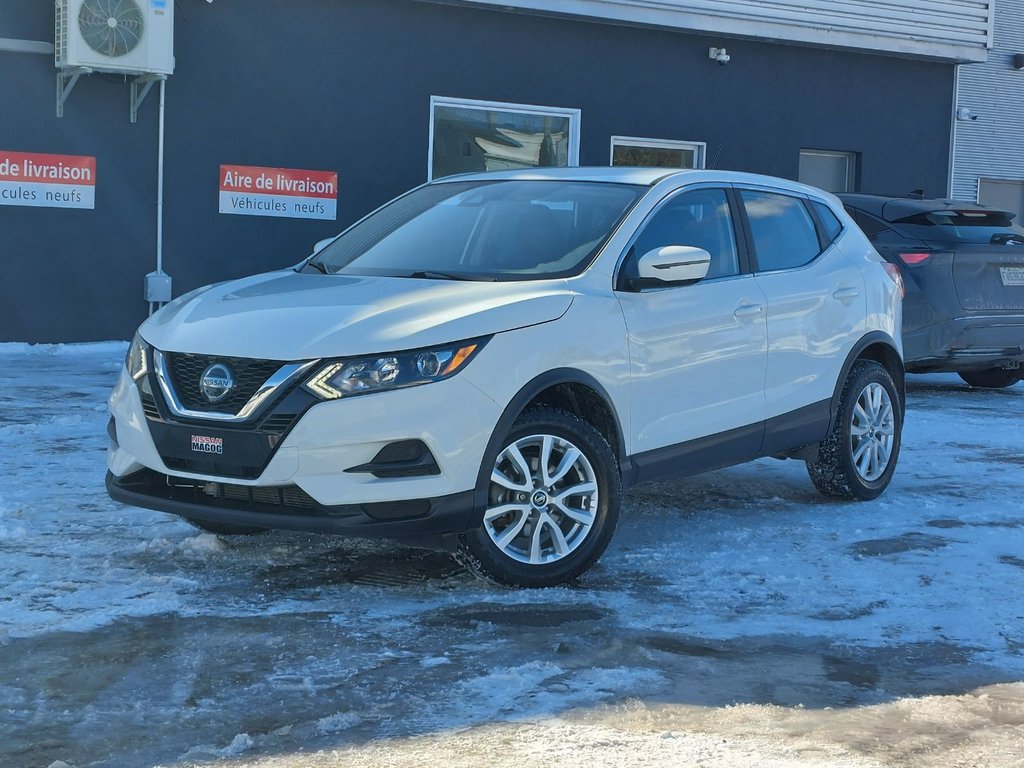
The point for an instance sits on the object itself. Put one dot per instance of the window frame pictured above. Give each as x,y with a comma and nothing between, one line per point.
619,280
700,148
852,168
823,238
750,246
574,115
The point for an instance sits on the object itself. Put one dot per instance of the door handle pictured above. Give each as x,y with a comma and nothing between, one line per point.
846,294
748,310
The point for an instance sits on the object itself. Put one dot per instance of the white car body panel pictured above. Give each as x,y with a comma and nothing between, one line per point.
815,316
696,368
290,316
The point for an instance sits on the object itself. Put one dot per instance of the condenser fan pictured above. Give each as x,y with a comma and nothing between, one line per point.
111,27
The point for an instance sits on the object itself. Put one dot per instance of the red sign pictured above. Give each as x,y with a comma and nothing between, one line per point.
55,181
257,191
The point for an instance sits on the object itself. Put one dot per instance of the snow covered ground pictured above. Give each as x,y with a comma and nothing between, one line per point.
736,620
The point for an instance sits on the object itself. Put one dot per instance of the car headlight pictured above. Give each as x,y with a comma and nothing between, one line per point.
137,360
342,378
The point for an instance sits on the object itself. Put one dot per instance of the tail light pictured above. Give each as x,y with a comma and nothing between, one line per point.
894,274
915,258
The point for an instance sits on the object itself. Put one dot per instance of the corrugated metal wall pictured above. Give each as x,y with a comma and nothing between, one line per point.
992,146
955,30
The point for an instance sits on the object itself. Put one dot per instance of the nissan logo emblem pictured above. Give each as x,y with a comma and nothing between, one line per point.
216,382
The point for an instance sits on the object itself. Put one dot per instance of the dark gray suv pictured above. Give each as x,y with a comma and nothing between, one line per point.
963,268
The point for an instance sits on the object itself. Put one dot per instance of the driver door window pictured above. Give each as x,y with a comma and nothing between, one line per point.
700,218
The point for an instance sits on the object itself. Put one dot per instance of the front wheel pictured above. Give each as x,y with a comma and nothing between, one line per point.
553,501
857,460
992,378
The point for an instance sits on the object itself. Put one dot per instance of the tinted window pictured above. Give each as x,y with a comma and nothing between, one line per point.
488,230
966,226
829,222
700,218
783,231
871,226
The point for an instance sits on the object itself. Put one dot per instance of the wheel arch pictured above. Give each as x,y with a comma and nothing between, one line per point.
881,348
571,390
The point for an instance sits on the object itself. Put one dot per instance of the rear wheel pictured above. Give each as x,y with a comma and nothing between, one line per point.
858,459
992,378
224,529
553,501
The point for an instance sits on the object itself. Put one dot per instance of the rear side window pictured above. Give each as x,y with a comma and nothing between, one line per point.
829,222
784,233
871,226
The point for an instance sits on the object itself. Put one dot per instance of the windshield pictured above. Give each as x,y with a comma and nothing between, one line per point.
483,230
948,226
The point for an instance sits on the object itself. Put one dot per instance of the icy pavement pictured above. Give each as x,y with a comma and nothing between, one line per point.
736,620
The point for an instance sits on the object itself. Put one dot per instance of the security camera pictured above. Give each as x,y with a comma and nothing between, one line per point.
720,55
963,113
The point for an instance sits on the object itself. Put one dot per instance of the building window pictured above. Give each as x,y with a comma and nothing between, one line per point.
831,171
469,136
1003,193
657,153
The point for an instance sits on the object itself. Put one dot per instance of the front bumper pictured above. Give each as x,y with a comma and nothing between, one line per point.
966,343
426,522
327,457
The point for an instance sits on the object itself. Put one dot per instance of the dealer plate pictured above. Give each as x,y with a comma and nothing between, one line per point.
1012,275
207,444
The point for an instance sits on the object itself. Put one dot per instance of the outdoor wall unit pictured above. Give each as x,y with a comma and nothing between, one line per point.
124,36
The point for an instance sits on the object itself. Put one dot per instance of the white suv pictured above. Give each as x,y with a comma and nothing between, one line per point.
484,363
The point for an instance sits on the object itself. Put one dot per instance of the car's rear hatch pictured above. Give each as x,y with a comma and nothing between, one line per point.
988,253
989,277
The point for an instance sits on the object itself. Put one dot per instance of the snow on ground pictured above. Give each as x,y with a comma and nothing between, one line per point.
737,618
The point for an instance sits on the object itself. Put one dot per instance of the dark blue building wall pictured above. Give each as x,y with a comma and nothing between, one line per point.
345,85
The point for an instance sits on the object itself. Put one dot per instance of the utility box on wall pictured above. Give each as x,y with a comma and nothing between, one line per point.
158,287
130,36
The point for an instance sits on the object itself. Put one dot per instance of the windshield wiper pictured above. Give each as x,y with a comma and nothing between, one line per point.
431,275
317,266
1007,239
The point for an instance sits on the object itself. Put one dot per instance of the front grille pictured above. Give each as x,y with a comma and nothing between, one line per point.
149,406
186,370
284,496
278,423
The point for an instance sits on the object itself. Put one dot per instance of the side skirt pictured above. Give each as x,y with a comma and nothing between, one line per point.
777,436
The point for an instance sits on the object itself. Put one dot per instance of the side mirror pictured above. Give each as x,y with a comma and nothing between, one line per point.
321,244
673,264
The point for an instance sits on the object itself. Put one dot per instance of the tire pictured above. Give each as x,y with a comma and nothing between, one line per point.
857,460
224,529
991,378
528,538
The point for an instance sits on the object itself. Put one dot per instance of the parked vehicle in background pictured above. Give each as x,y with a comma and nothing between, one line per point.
485,363
963,268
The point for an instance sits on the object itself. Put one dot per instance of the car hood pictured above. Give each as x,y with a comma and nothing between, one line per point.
293,316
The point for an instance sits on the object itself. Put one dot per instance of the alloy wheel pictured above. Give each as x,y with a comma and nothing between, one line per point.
872,431
543,499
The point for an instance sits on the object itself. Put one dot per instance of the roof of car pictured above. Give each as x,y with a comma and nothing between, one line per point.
894,208
629,175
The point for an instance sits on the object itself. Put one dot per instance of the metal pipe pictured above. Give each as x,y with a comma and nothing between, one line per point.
12,45
160,188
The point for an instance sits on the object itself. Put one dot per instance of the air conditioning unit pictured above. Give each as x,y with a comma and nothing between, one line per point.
125,36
